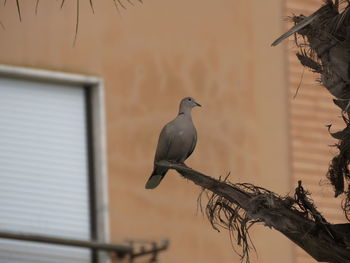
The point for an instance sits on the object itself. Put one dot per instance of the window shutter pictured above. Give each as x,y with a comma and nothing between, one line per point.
44,185
310,112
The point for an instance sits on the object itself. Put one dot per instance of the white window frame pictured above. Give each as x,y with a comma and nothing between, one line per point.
96,86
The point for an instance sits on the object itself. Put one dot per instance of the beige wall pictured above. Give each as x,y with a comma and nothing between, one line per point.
151,56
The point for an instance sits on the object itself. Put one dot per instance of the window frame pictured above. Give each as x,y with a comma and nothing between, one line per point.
95,109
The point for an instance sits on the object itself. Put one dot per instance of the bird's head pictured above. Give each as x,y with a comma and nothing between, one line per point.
187,104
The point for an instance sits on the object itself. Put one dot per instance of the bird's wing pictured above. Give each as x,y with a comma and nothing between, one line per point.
193,145
164,143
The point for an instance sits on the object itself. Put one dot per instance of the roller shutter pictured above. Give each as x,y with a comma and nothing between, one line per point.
310,112
44,186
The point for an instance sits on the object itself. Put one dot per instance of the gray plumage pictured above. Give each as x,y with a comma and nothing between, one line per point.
177,141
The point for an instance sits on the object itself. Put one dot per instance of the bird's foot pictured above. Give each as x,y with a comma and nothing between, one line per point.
178,163
183,164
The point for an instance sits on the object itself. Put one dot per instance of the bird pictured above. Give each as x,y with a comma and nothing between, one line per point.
176,142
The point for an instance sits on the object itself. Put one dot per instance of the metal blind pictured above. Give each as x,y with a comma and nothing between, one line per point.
43,169
310,111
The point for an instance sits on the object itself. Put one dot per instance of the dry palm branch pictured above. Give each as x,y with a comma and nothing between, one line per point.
236,207
323,39
119,5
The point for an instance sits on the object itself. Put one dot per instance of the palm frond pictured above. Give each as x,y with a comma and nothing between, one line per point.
19,10
76,25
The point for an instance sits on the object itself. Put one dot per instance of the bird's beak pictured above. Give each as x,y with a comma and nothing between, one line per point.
197,104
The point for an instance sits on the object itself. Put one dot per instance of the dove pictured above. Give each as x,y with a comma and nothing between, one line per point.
176,142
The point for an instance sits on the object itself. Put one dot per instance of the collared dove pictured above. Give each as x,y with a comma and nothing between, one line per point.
177,141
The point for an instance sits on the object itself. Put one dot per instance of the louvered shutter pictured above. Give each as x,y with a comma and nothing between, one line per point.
43,169
310,112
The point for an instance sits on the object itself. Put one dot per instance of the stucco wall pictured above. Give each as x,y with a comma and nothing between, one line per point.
151,56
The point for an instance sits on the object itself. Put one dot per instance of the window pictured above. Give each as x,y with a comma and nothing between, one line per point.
52,170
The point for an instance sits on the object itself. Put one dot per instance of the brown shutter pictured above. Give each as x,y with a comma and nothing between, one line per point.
310,112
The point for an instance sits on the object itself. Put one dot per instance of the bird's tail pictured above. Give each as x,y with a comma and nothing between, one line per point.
156,177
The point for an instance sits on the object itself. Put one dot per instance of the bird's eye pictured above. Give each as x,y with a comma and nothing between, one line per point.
189,99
